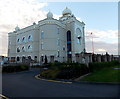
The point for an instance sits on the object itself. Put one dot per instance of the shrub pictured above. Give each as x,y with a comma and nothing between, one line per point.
65,70
71,71
17,68
49,73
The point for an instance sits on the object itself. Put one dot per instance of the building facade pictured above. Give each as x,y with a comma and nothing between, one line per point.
60,40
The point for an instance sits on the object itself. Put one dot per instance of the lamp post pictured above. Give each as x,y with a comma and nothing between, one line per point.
92,43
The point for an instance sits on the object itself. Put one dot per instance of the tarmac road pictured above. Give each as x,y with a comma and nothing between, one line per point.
25,84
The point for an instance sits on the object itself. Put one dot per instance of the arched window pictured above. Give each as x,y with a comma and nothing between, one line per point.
18,40
29,57
69,46
23,59
29,47
42,58
63,48
23,39
79,35
68,36
23,49
79,39
18,58
18,49
30,38
35,58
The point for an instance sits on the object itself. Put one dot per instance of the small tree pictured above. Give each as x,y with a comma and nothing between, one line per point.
46,61
107,55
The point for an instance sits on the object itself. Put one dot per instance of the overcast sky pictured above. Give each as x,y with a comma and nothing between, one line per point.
101,18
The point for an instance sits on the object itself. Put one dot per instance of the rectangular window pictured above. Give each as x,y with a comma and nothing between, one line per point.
58,54
58,42
58,30
42,46
42,35
42,58
63,48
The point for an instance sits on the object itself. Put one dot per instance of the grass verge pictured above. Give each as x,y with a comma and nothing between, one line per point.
106,75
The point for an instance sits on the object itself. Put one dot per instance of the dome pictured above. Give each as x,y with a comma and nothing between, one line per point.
66,11
49,15
17,28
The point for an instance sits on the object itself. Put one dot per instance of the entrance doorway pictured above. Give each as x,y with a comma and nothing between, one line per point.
69,47
77,56
42,59
51,59
23,59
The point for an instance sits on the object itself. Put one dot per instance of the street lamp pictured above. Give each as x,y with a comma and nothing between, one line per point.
92,43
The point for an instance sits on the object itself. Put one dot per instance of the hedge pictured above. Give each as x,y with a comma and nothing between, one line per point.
72,70
17,68
49,73
65,70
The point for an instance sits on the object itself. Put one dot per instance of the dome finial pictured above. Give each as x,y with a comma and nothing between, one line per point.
49,15
17,28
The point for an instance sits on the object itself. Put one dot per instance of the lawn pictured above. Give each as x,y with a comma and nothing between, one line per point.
105,75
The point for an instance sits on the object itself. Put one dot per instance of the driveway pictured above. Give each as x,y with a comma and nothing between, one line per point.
24,84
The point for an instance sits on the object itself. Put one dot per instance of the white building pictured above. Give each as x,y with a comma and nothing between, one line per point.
59,40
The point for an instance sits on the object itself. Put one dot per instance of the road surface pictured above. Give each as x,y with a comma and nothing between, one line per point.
24,84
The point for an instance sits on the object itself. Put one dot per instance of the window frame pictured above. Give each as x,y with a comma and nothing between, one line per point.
23,48
18,40
23,39
42,46
18,49
29,47
79,39
58,30
58,53
42,35
58,42
30,38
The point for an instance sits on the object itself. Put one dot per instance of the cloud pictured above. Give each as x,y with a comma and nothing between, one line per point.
103,41
109,36
21,12
18,12
102,47
55,16
101,50
24,12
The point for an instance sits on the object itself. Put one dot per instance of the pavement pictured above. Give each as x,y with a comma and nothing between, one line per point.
24,84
